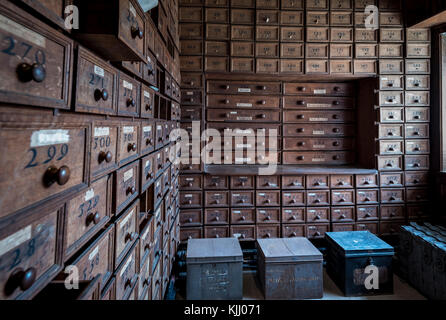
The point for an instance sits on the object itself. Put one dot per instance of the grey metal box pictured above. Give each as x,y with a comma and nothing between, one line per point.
214,269
290,269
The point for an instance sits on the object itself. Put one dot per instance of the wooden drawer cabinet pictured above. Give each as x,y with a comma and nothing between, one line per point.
293,199
267,231
126,232
127,276
318,215
128,142
86,213
126,186
37,61
293,215
364,213
29,256
242,198
244,232
291,231
343,214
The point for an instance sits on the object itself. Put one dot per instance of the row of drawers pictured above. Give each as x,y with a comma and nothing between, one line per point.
260,216
311,231
359,5
322,66
341,197
299,50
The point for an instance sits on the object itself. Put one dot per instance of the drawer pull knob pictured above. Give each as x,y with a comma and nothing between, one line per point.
226,101
301,88
366,182
263,102
149,107
336,103
390,84
217,218
21,279
390,100
34,72
266,19
61,175
105,156
268,235
341,183
300,103
391,149
342,216
101,94
300,158
300,129
137,32
226,87
335,157
391,182
148,247
267,201
392,198
416,181
318,217
389,165
243,218
416,164
190,184
93,217
132,147
367,215
149,176
390,133
416,117
336,130
131,102
317,233
335,116
131,190
342,200
367,199
300,116
293,218
337,89
301,144
317,201
416,101
149,142
296,183
293,234
263,88
391,116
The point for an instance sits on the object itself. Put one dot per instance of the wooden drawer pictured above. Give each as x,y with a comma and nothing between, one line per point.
304,116
341,5
391,66
191,47
291,66
242,33
293,182
390,131
48,159
329,157
416,162
267,65
418,82
392,196
291,231
191,63
235,102
29,256
391,98
418,50
243,115
318,198
291,50
217,3
268,231
191,97
126,232
386,163
268,215
190,182
366,181
320,89
342,227
417,114
293,18
417,195
267,17
318,130
317,18
341,34
190,233
232,87
267,4
191,217
367,196
366,50
158,162
391,82
365,66
341,50
292,4
293,215
267,50
242,198
293,199
390,50
268,182
391,35
191,31
417,98
317,34
316,50
191,113
146,245
242,49
369,226
87,213
243,216
191,80
128,98
390,19
391,147
242,16
390,5
216,64
418,66
126,186
393,115
103,153
341,18
216,232
245,65
244,233
216,216
190,14
365,35
364,213
413,179
127,276
341,181
217,32
215,182
193,167
216,198
149,70
418,35
343,214
291,34
37,60
418,212
317,182
317,102
417,146
317,4
147,138
147,102
157,279
242,182
144,289
190,199
128,142
268,198
318,215
392,212
414,131
317,231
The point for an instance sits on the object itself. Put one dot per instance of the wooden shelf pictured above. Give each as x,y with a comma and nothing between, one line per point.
249,170
433,21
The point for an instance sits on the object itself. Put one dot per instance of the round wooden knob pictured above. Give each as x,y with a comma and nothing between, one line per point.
22,279
294,234
301,143
150,71
336,130
262,116
317,217
337,89
53,174
137,32
301,88
101,94
266,19
267,201
336,103
131,102
27,72
293,218
243,218
132,147
317,201
149,176
391,182
268,235
226,101
149,107
300,103
148,247
335,157
93,217
300,130
131,190
300,116
300,158
416,181
335,116
226,87
105,156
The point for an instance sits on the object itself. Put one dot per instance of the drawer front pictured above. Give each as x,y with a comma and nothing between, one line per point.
216,216
190,233
216,64
417,114
417,98
316,129
366,197
418,66
190,182
317,18
147,102
191,114
267,50
343,214
242,16
418,212
392,212
191,217
37,61
316,215
128,96
190,199
191,80
242,65
47,159
417,162
413,179
191,31
318,34
391,82
341,67
292,34
341,50
418,82
341,34
217,15
147,140
391,115
391,66
294,18
216,3
293,199
191,47
418,35
391,35
364,213
244,233
417,146
29,250
317,4
366,50
268,182
86,213
128,142
242,182
242,198
320,89
216,199
243,115
392,196
291,231
126,232
390,50
317,182
329,157
367,181
268,198
149,70
417,195
224,87
242,33
341,227
391,147
267,65
317,231
217,32
390,19
243,216
103,149
293,215
341,5
365,66
318,116
386,163
191,97
95,84
294,66
390,131
365,35
391,98
292,4
267,17
242,49
418,50
242,102
344,18
315,50
215,182
291,50
216,232
318,102
267,4
191,63
268,231
146,244
414,131
318,198
126,276
341,181
268,215
127,184
370,226
293,182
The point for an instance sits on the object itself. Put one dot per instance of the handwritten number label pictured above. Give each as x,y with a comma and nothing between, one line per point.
128,137
51,152
89,205
102,142
22,49
96,80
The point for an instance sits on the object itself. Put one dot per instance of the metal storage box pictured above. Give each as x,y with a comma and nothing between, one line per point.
290,269
348,256
214,269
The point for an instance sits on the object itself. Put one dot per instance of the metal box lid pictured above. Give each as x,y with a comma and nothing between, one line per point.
288,250
359,243
214,250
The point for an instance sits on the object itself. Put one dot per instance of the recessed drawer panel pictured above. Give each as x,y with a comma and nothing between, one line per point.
343,214
216,64
418,50
414,179
391,179
316,50
341,5
341,67
390,19
190,199
290,66
191,47
369,226
418,212
317,18
268,198
216,216
391,82
342,197
217,32
190,14
317,102
243,216
295,18
366,181
126,186
392,212
191,80
103,153
128,96
291,34
242,16
268,231
241,88
365,66
244,233
242,33
391,66
421,146
147,102
267,65
417,195
308,157
242,115
215,182
267,4
341,181
388,114
293,215
364,213
414,131
268,182
417,162
367,196
242,49
418,35
318,130
190,233
392,196
242,198
190,182
268,215
341,34
365,35
293,182
292,4
216,199
191,31
216,232
386,163
191,63
125,232
191,97
191,114
317,4
420,114
317,231
217,15
267,50
316,66
390,131
147,139
309,144
242,65
391,147
317,198
128,142
418,82
418,66
318,116
291,50
317,34
191,217
341,18
242,182
390,50
291,231
341,50
243,3
217,3
317,182
267,17
417,98
216,48
391,35
293,199
320,89
366,50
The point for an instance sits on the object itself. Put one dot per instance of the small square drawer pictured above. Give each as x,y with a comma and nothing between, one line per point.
342,227
292,4
389,163
268,182
391,115
341,181
317,182
318,215
291,66
242,49
268,231
191,47
242,182
244,232
103,148
216,232
216,216
215,182
293,182
366,181
268,198
126,232
390,131
317,231
390,19
318,198
216,48
365,35
418,50
417,114
418,212
391,98
341,67
418,82
338,34
291,50
342,197
389,66
295,18
267,17
243,216
126,186
391,179
416,162
190,233
242,33
391,82
191,80
317,34
418,66
190,14
414,131
190,199
191,63
147,140
316,66
216,198
418,35
216,64
366,197
293,199
128,142
414,179
293,215
245,65
368,226
417,98
361,66
242,16
341,50
392,195
391,35
267,50
293,230
292,34
417,194
341,18
216,15
190,182
341,5
267,66
267,215
147,102
191,113
191,217
391,147
126,275
364,213
316,50
317,4
242,198
317,18
343,214
392,212
390,50
217,32
128,96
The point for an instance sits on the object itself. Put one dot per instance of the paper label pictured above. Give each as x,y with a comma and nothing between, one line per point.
127,85
15,240
128,175
188,196
22,32
132,9
319,146
147,94
243,146
99,71
244,90
128,129
318,105
49,137
126,219
89,194
318,132
126,266
319,91
100,132
318,119
93,253
244,118
147,129
244,105
318,159
189,93
144,236
147,164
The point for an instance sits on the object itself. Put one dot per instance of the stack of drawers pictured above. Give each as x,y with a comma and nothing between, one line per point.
91,183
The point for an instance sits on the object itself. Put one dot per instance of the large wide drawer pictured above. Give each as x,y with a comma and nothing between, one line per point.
306,116
318,130
320,89
328,144
242,102
329,157
243,115
318,102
